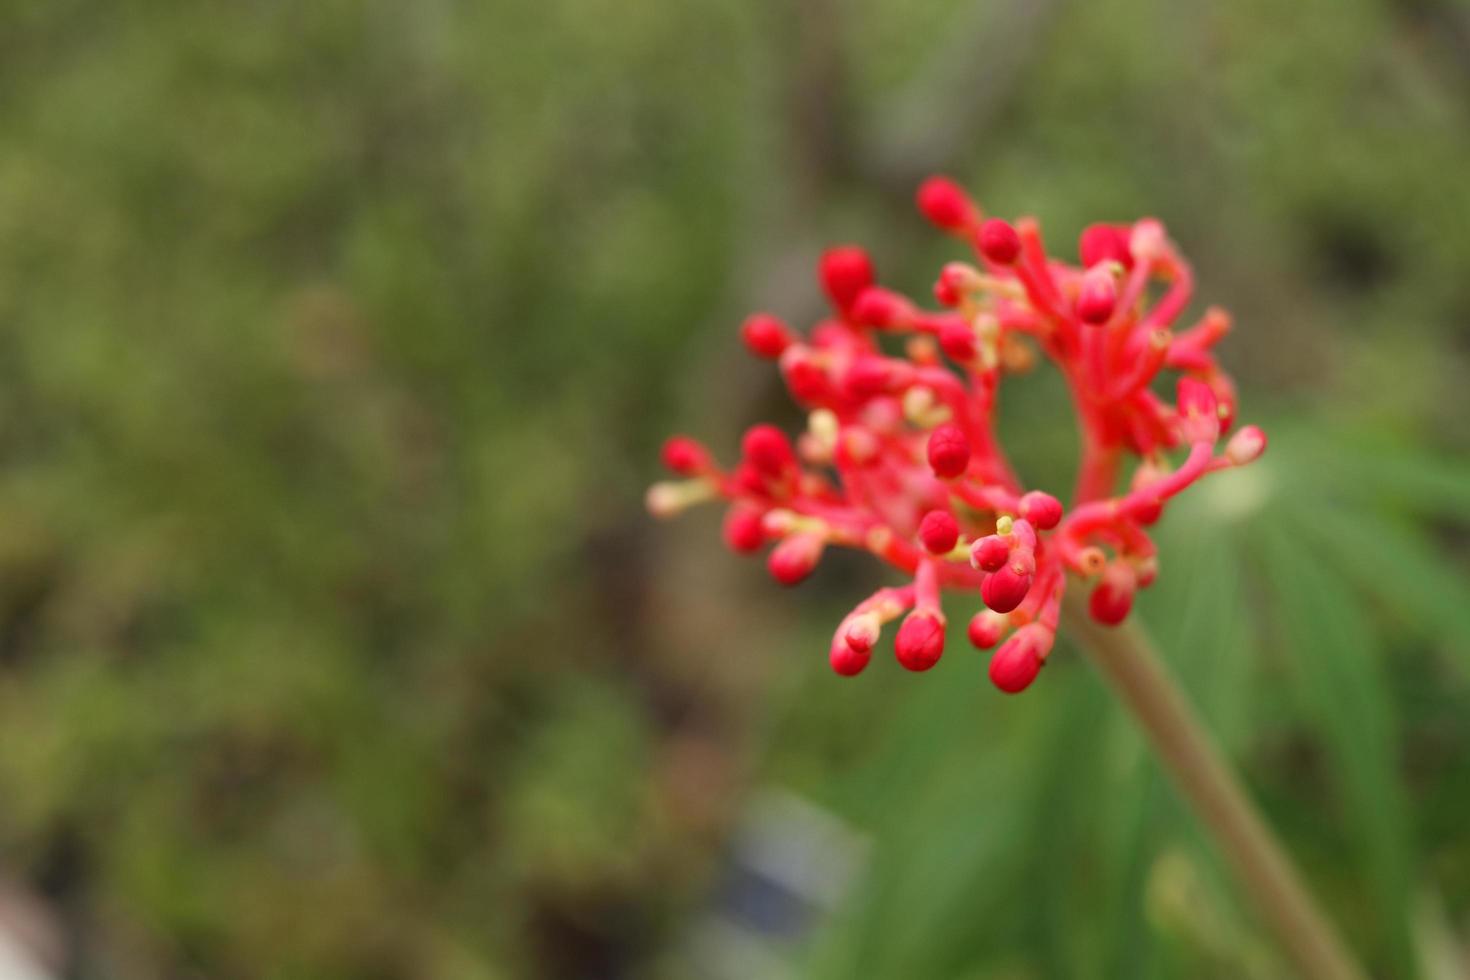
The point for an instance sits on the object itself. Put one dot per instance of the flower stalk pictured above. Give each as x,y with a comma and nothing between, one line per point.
1127,660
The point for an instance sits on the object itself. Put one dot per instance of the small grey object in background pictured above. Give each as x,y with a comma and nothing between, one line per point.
790,864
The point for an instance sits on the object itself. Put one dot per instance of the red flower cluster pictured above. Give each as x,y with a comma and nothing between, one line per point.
900,455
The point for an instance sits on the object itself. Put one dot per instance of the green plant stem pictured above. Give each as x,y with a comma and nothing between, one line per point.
1127,660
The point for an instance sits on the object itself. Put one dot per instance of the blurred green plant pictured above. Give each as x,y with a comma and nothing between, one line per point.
335,343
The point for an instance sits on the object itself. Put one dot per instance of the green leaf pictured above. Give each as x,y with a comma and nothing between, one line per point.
1394,564
1329,644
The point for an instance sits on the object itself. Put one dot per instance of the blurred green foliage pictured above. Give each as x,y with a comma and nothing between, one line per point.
336,340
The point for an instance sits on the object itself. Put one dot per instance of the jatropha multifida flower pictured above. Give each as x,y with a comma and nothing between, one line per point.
900,455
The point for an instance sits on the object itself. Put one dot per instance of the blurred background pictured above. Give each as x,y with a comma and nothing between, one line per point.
337,340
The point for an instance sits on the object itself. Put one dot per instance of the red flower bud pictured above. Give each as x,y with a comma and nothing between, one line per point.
949,451
950,287
986,628
946,204
939,532
1113,597
765,335
1145,239
1196,398
748,478
806,379
946,293
1104,243
990,553
794,558
1003,590
1246,446
1019,659
866,377
999,242
845,660
742,531
685,456
768,450
861,633
957,341
1041,509
881,308
845,271
1098,296
1148,514
920,640
1199,411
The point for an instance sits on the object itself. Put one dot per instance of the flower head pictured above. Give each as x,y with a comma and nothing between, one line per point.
901,459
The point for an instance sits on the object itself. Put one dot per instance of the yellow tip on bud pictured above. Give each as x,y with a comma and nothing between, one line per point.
922,350
823,425
1017,355
922,409
669,498
1092,560
780,521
